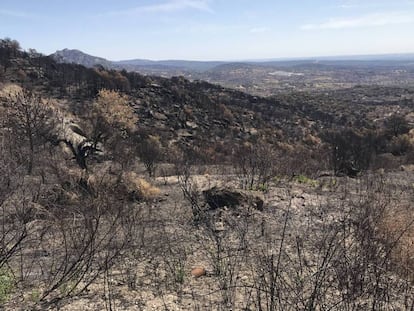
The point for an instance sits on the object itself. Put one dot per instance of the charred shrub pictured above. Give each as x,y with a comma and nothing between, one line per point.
351,150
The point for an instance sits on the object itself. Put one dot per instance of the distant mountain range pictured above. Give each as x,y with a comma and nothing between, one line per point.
185,66
81,58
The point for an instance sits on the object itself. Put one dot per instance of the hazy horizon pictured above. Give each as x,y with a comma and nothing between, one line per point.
316,57
212,30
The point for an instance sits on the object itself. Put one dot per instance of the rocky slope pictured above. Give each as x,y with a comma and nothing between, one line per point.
209,120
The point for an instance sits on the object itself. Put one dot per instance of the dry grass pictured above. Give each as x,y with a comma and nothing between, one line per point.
141,187
130,182
397,227
10,89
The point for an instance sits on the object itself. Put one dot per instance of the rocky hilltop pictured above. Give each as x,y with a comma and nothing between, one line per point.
80,58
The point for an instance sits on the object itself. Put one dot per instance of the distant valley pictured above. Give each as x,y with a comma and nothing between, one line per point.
269,77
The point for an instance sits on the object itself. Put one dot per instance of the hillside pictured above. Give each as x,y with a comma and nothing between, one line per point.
120,191
180,111
212,120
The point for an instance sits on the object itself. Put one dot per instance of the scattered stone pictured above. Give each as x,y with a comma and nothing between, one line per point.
407,168
219,226
252,131
184,133
326,174
191,125
159,116
198,272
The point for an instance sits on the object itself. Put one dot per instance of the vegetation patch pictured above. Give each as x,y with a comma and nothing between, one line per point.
302,179
6,284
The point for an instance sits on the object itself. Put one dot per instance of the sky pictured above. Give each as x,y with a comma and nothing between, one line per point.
211,29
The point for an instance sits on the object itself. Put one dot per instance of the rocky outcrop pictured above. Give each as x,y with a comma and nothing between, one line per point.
217,197
69,133
81,58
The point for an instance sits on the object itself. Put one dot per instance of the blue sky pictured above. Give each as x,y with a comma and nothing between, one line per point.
211,29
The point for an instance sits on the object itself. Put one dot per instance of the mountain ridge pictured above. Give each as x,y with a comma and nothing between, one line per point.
79,57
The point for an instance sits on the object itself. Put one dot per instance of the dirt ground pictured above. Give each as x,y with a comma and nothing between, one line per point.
309,247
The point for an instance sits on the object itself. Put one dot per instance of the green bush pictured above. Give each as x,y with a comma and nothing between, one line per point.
302,179
6,285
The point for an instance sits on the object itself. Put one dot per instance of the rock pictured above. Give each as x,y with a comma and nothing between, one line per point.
191,125
198,272
219,226
184,133
326,174
407,168
252,131
220,197
159,116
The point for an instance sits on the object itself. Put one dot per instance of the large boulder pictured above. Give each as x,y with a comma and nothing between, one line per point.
217,197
